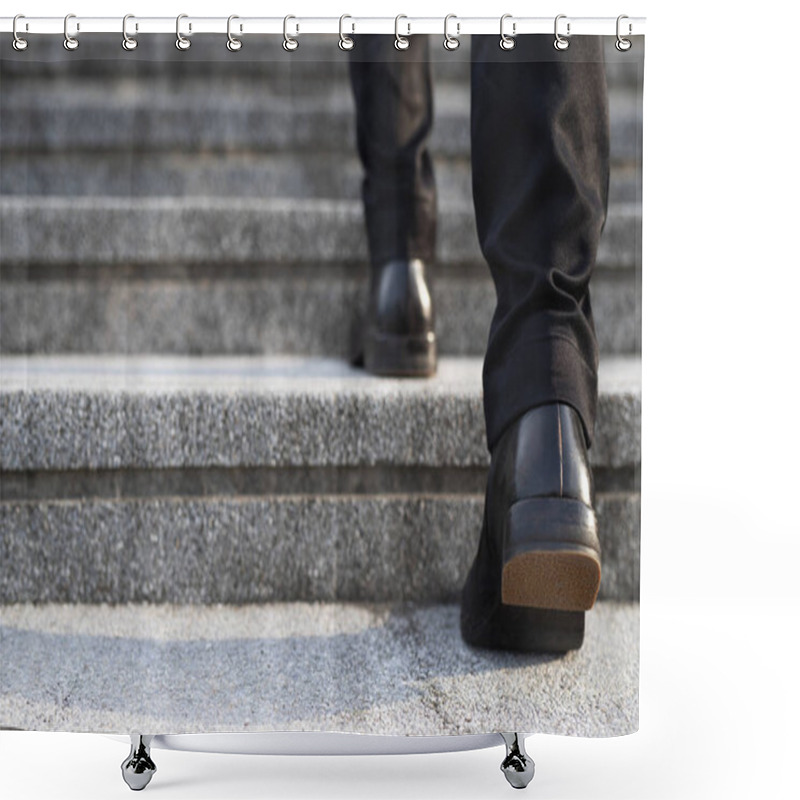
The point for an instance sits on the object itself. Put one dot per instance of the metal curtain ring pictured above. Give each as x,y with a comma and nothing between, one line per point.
182,43
289,42
451,42
401,42
70,42
345,42
622,44
233,44
128,42
560,42
19,43
507,42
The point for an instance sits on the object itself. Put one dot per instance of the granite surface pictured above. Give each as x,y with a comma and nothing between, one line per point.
400,670
281,548
72,412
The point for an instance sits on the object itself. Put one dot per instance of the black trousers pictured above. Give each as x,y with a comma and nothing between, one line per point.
540,165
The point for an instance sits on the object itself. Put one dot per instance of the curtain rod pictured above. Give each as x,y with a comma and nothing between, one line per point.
297,26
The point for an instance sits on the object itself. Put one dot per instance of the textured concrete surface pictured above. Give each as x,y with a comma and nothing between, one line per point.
366,669
194,105
386,479
285,548
316,310
318,175
221,114
209,230
73,412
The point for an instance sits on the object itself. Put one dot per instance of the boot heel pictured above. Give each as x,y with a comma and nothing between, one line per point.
402,356
551,555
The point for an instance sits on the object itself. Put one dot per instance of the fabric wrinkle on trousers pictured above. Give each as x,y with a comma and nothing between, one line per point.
540,169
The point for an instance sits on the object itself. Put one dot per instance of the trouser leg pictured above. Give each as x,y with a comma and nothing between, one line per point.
394,115
539,126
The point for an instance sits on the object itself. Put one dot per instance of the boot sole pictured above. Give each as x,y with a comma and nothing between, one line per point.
400,356
528,630
551,556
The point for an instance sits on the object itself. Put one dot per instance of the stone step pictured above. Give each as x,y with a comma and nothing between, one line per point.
152,412
243,549
244,309
317,60
233,275
253,480
224,231
380,669
217,115
291,175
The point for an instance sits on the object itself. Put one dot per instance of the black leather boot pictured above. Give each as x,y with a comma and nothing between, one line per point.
399,336
538,564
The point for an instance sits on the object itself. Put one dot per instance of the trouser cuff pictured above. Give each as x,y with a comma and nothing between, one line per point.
534,373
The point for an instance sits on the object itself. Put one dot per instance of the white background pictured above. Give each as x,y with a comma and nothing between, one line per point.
720,605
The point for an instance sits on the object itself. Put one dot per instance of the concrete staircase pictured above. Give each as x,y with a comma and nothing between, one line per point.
181,285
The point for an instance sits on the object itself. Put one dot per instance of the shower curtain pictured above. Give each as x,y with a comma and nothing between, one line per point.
216,514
